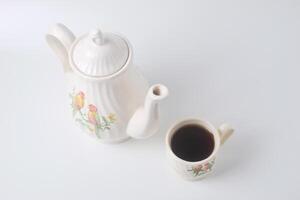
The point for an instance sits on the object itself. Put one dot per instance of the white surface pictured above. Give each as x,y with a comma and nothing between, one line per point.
222,60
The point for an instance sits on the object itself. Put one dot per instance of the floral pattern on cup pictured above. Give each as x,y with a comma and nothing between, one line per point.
199,170
87,114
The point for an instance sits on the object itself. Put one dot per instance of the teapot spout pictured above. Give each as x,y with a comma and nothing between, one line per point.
60,39
145,121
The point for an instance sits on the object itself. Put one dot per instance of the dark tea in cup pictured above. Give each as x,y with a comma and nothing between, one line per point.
192,143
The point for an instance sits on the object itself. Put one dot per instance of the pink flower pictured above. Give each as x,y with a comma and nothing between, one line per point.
207,167
92,114
197,168
92,108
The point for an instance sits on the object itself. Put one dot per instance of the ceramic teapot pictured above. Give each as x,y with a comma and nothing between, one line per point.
110,99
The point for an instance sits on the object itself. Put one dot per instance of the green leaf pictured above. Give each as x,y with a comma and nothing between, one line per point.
105,120
98,118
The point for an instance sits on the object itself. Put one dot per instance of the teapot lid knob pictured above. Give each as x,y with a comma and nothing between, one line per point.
97,36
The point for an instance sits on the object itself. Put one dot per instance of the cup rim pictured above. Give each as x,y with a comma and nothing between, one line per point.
207,125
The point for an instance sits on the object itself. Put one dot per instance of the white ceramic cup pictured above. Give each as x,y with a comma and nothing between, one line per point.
198,169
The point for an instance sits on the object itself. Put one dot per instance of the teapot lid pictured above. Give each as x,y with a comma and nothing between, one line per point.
98,54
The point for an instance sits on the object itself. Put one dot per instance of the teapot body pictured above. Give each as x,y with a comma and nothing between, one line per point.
102,108
109,98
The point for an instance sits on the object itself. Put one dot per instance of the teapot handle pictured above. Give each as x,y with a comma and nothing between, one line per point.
60,39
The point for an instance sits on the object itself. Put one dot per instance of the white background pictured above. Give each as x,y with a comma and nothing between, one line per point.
233,61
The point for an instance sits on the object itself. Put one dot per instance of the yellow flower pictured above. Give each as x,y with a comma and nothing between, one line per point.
78,101
112,117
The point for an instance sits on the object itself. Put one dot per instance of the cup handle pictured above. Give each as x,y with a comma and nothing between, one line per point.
225,131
